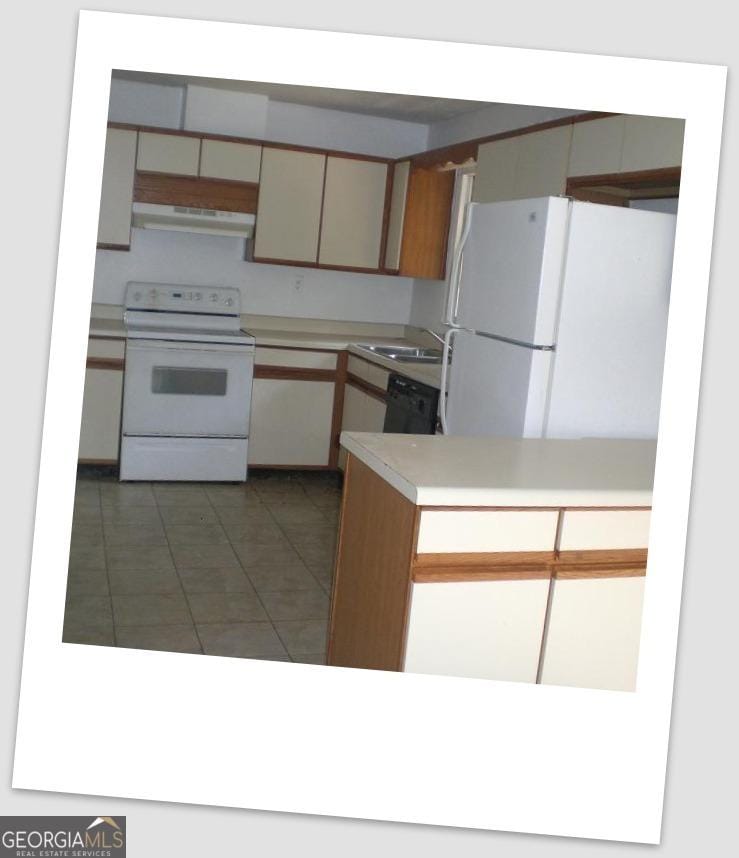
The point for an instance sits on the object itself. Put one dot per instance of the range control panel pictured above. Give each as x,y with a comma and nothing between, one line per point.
172,298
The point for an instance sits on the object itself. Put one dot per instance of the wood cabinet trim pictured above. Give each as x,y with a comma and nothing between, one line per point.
106,245
638,179
338,408
195,192
294,373
366,387
105,363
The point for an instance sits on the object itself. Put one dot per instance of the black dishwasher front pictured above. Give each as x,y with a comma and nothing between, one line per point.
411,406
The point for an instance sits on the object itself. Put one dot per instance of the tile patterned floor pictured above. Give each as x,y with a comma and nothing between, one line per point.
231,570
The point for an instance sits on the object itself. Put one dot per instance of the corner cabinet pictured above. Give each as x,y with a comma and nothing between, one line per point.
116,193
100,429
289,206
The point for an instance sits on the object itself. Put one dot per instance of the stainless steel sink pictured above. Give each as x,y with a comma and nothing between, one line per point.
405,354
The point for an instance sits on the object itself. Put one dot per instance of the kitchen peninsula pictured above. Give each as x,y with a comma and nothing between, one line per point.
510,559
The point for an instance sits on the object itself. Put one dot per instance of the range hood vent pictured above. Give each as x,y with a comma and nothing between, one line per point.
188,219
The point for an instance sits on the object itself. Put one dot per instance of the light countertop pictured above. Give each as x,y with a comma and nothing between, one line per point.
426,373
437,470
101,327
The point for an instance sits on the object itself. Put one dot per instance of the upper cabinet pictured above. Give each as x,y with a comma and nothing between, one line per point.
651,142
168,153
289,207
530,165
222,159
397,215
596,147
426,220
353,212
116,195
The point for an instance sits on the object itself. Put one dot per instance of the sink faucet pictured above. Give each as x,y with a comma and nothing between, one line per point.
434,335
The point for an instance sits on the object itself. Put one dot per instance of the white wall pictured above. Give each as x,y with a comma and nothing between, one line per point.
492,119
225,111
170,257
339,129
145,103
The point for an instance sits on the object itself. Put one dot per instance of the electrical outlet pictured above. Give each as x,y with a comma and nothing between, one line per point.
298,282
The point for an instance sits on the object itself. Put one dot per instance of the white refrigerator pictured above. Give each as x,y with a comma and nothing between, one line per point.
557,319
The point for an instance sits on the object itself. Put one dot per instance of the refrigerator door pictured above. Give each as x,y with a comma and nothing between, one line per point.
607,370
511,269
496,388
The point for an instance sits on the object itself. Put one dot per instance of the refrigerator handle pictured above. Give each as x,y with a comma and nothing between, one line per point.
452,302
444,375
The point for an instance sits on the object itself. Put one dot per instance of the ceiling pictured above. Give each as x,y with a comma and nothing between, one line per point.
411,108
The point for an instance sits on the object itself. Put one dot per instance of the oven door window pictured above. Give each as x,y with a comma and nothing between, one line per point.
189,381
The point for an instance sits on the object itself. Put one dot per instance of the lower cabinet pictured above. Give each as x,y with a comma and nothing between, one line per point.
363,412
593,634
290,422
100,429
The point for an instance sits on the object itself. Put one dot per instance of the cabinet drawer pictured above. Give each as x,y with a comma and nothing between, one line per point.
293,357
168,153
584,530
220,159
475,531
97,347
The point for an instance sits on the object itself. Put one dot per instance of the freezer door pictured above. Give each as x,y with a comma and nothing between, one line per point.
496,388
607,373
511,268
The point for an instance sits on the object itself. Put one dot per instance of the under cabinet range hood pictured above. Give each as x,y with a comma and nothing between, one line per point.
188,219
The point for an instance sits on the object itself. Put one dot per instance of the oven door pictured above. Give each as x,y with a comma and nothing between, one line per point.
187,389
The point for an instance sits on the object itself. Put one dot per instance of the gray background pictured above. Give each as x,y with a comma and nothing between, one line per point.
37,59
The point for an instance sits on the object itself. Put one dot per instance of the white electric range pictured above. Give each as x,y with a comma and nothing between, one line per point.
187,384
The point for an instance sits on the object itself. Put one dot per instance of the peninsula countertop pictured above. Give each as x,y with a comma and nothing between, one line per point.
437,470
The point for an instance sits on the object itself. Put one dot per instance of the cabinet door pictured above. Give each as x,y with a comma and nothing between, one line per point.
100,430
221,159
353,211
593,633
397,215
496,171
485,629
596,146
426,223
168,153
289,206
651,142
541,166
290,422
373,414
116,195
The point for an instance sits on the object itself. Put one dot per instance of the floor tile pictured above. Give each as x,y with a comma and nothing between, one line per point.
177,638
296,604
237,515
322,534
259,532
86,535
310,658
226,608
127,494
266,554
303,636
267,579
87,582
134,535
149,557
88,611
204,556
179,515
86,514
151,610
91,635
317,557
196,534
241,640
115,515
143,581
228,580
86,558
176,495
302,513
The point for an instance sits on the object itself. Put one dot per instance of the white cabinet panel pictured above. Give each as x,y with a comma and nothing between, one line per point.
651,142
585,530
168,153
496,171
362,413
294,357
596,146
397,215
103,347
373,414
593,633
485,629
222,159
116,195
289,206
463,531
100,429
541,166
353,210
290,422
